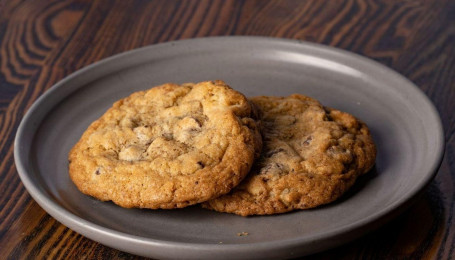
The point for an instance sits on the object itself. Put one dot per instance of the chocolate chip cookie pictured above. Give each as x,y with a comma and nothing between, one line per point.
311,156
168,147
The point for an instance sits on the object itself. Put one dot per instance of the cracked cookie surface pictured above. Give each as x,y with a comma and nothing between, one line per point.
168,147
311,156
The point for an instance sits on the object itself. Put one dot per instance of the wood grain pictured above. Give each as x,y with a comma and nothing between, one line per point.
42,41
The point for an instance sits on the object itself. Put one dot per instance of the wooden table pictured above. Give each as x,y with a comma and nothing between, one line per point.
42,41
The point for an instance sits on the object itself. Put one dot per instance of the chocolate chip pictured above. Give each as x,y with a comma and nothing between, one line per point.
265,169
272,167
275,151
198,121
279,166
135,122
194,130
308,140
201,164
168,136
97,172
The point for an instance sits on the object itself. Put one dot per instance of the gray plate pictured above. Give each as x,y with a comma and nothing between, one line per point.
404,123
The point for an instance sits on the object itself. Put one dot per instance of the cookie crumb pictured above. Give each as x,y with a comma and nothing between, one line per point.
242,234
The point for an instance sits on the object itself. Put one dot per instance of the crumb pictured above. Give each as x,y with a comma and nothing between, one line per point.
242,234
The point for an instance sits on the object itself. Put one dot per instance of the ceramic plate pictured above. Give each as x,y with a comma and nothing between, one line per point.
405,126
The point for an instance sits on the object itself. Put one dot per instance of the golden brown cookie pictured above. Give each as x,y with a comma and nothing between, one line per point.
311,156
168,147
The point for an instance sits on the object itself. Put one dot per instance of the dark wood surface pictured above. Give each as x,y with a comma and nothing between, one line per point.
42,41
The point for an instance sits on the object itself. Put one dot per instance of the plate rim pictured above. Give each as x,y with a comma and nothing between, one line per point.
96,231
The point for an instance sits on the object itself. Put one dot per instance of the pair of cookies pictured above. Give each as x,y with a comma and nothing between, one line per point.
177,145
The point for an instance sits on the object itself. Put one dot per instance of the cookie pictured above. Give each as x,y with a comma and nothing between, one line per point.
168,147
311,156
